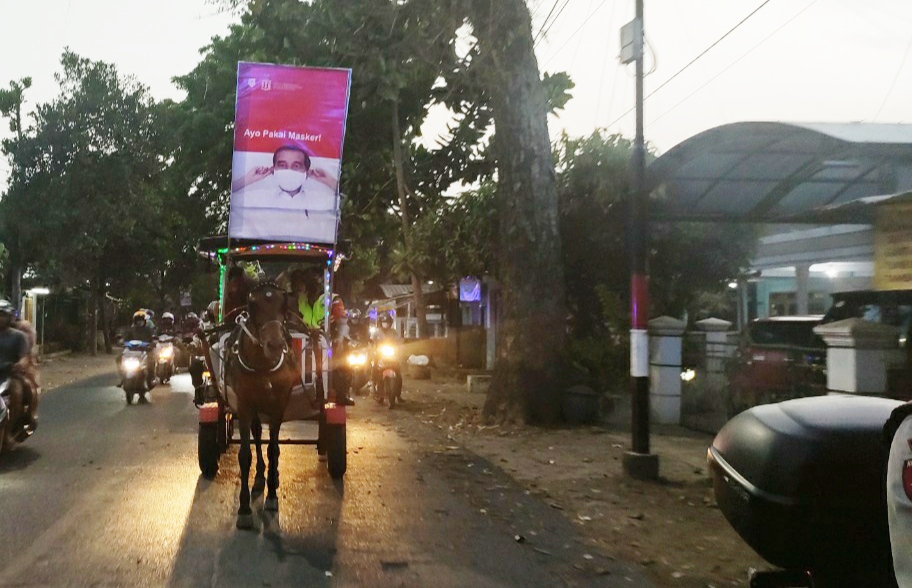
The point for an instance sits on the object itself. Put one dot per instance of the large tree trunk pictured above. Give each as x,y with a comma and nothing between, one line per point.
402,188
527,383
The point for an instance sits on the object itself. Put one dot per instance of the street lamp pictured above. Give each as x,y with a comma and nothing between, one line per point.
41,292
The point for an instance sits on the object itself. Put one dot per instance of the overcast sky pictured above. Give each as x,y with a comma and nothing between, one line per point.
793,60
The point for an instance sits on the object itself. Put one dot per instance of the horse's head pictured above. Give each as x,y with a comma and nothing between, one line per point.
267,306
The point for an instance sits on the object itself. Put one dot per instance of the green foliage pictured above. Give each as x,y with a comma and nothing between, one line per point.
89,171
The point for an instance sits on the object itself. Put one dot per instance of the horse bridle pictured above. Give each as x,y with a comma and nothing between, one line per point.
241,321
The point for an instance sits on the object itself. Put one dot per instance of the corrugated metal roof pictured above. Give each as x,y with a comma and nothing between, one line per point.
780,172
399,290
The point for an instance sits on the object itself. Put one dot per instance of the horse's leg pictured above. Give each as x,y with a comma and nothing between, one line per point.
272,482
244,514
259,479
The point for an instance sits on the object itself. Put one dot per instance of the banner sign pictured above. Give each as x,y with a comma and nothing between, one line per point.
288,132
893,246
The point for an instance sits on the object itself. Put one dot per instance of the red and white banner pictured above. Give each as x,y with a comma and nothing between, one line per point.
288,134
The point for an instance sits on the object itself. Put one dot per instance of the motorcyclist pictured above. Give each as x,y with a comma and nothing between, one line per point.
140,331
191,324
14,357
357,326
385,330
167,324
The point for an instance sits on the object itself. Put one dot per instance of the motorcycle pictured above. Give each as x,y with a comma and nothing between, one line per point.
15,428
135,366
802,482
358,365
386,374
165,363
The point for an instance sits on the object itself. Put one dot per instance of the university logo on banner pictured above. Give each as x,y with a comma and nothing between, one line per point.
288,135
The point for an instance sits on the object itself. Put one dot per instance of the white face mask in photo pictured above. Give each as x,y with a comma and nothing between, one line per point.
289,180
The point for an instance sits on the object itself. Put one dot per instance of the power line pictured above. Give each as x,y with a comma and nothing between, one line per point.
545,22
895,79
705,51
751,50
694,60
544,32
591,14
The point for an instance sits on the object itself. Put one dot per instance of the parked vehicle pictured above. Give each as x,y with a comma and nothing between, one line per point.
386,373
802,482
135,365
778,358
165,362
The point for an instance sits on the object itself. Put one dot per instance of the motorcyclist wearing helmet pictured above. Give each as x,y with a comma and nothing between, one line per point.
13,344
191,324
357,326
139,328
14,357
167,324
141,331
385,329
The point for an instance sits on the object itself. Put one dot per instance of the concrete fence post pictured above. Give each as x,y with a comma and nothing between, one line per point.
859,353
665,336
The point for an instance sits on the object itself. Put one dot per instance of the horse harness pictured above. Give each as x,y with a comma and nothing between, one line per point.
236,347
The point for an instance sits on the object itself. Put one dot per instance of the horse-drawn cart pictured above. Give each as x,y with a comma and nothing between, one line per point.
311,398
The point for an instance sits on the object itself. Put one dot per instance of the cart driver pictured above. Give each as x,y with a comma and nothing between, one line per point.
309,300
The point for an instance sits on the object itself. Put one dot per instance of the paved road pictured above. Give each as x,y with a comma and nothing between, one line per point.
106,494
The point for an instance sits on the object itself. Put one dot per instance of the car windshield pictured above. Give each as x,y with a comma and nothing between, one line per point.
799,333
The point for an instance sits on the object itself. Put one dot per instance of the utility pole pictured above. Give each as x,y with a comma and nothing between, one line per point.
638,462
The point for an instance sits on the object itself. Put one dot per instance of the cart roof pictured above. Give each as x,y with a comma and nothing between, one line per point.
255,250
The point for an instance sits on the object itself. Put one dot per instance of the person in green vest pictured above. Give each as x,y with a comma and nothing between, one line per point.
309,299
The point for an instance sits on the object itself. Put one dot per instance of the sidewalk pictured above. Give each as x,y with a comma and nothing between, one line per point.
672,528
66,369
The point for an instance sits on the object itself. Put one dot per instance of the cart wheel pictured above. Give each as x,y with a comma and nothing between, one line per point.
336,451
208,450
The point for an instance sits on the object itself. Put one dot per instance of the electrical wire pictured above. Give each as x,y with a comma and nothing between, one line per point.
895,79
544,31
694,60
591,14
545,22
751,50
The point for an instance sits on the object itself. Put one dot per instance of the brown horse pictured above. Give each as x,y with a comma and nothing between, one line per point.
261,370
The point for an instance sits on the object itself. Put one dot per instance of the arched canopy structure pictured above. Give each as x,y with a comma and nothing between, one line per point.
774,172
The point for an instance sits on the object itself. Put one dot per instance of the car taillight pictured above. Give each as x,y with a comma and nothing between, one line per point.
907,478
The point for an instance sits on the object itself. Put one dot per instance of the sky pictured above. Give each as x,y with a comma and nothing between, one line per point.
792,60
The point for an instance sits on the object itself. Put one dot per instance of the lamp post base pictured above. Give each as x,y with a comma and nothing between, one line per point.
642,466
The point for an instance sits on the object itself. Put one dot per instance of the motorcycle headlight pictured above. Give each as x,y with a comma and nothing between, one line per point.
131,364
166,352
357,359
387,351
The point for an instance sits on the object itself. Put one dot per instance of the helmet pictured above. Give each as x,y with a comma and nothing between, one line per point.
149,313
385,320
167,316
191,316
6,307
140,315
354,315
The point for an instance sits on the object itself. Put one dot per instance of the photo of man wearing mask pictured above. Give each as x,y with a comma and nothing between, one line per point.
263,199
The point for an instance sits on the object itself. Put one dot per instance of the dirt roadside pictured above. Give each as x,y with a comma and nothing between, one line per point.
66,369
671,528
